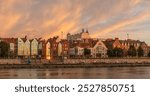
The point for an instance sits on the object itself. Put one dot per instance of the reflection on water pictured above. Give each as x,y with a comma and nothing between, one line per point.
78,73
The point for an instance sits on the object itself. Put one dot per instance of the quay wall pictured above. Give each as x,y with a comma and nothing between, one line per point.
73,63
79,61
10,61
23,61
108,61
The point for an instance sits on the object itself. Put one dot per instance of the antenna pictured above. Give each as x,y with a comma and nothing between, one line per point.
127,36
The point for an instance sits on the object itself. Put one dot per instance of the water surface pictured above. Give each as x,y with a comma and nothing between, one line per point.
78,73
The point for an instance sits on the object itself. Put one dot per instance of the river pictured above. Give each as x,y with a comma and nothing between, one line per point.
78,73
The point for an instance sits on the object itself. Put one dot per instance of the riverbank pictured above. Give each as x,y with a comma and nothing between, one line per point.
78,61
74,63
82,65
109,61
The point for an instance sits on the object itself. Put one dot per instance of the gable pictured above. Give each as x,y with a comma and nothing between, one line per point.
20,40
27,42
117,44
34,41
100,43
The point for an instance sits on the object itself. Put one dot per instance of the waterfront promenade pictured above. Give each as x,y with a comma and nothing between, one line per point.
78,61
74,63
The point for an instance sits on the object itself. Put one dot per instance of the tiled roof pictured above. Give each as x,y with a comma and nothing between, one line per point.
9,40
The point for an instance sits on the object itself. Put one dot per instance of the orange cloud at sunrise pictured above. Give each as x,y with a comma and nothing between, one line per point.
48,18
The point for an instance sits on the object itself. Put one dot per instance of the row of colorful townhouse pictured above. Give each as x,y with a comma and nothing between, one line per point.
126,44
22,47
100,47
37,48
56,48
79,45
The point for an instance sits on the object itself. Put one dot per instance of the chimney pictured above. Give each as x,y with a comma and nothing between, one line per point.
25,37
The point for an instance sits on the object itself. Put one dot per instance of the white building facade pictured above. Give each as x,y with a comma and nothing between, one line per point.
34,48
99,50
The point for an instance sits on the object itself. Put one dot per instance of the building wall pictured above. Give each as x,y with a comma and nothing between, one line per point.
99,50
65,48
72,51
48,50
80,51
145,49
27,48
60,49
34,47
12,47
20,49
85,35
78,36
42,49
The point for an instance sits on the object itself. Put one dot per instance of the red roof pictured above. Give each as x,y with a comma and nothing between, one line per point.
9,40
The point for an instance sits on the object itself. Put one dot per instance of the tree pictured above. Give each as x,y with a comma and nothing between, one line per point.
87,52
132,51
110,53
140,51
4,49
118,52
149,54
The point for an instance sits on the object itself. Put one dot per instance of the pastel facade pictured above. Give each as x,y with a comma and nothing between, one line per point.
42,48
145,48
99,50
48,50
75,46
34,48
60,49
125,45
27,48
20,47
96,47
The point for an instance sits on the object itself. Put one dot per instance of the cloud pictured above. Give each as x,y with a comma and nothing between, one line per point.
47,18
122,23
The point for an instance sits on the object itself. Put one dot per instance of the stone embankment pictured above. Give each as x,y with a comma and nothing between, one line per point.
23,61
109,61
74,63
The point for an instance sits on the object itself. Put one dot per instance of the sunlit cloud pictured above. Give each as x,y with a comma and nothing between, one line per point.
48,18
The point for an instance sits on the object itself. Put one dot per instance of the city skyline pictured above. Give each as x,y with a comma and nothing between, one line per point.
48,18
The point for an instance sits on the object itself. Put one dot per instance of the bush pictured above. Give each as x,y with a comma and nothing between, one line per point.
149,54
4,49
132,51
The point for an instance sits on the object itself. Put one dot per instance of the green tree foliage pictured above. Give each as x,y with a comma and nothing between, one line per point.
4,49
149,54
118,52
110,53
132,51
140,52
87,52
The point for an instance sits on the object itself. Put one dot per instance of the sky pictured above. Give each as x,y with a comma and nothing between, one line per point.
102,18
